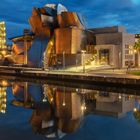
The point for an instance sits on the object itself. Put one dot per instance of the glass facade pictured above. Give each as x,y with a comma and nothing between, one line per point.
2,35
2,38
2,99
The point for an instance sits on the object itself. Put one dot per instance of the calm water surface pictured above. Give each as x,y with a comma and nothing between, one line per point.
43,111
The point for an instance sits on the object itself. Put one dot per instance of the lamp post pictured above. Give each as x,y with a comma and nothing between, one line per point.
120,59
76,62
136,57
25,50
64,94
83,59
131,52
63,59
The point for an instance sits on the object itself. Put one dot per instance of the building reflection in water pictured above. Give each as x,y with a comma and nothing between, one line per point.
59,110
25,94
3,99
113,104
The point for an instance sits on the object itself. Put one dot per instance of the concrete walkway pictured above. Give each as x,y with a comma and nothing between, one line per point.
90,70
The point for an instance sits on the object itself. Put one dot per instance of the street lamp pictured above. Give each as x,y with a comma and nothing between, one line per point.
83,59
136,60
135,51
76,62
120,59
25,50
64,94
63,59
131,52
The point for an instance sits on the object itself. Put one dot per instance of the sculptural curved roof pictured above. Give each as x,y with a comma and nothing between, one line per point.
55,8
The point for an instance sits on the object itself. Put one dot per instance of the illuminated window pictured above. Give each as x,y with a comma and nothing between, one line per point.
2,99
2,37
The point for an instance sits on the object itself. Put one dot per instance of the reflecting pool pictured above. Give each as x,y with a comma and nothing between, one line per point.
43,111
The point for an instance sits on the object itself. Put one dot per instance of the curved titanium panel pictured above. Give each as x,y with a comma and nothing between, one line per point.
47,20
68,19
22,92
53,9
18,91
61,8
63,40
19,59
37,26
18,48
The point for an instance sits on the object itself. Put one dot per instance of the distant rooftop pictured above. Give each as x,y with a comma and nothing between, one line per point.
22,37
137,35
112,29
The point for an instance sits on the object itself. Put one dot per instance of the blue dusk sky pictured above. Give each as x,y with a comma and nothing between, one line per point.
97,13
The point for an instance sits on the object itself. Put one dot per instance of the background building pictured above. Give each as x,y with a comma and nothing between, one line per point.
56,39
3,47
59,39
137,50
114,46
3,99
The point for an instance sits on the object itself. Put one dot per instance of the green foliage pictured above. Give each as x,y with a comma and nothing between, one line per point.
137,116
137,45
135,73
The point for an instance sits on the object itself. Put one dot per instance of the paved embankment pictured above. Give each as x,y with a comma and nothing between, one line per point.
114,79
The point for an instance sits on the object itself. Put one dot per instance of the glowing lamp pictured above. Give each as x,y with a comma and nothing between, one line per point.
135,110
3,52
4,83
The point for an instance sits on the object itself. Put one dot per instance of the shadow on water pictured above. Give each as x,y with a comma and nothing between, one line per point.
99,86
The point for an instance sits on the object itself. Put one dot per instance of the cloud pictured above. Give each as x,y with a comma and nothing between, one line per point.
137,2
98,13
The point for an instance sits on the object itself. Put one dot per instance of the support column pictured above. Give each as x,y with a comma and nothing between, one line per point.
97,56
25,51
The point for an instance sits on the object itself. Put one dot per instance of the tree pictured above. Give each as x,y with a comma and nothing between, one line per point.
136,48
137,45
137,115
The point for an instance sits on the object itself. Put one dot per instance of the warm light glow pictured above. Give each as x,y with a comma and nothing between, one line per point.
51,42
135,51
120,97
83,51
3,99
4,106
130,47
77,90
64,104
2,38
2,23
3,52
135,110
51,99
3,111
4,83
83,107
44,100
